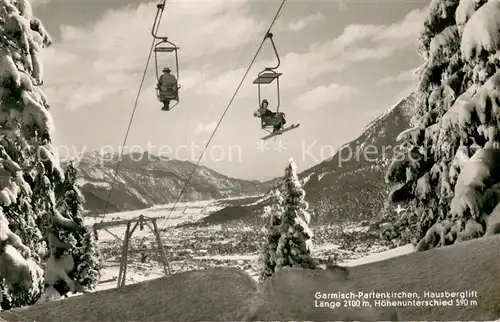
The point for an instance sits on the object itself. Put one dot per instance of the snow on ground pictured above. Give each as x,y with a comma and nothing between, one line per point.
353,228
376,257
142,272
136,273
260,200
321,175
98,184
229,257
156,211
139,272
195,248
306,179
182,213
326,246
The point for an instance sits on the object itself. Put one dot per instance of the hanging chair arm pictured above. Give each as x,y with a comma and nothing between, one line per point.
177,66
156,23
279,98
269,35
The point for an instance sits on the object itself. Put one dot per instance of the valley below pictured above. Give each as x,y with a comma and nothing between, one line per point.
193,243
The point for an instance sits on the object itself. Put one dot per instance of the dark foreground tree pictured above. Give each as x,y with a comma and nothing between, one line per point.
268,255
80,244
449,165
29,171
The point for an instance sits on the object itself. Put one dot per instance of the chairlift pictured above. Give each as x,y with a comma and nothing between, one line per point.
164,45
266,77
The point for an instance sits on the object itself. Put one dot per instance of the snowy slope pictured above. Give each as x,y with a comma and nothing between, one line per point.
145,180
377,257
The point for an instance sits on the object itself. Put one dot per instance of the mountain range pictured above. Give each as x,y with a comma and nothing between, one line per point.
144,180
355,188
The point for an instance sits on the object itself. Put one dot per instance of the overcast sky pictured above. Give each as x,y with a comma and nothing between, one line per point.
343,63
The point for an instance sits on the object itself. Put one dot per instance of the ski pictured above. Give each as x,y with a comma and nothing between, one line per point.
286,129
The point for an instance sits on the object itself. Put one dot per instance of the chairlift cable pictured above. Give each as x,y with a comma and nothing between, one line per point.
226,110
247,47
117,169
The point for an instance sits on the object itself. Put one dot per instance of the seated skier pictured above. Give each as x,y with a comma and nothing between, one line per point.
264,112
268,116
167,86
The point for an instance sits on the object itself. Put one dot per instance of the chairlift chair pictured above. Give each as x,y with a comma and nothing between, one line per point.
266,77
163,45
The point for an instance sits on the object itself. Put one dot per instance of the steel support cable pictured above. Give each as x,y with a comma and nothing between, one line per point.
117,169
239,61
225,111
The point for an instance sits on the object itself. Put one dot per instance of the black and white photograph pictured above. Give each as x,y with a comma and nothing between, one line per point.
249,160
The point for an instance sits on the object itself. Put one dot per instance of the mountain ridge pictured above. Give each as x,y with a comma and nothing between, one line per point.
145,179
361,180
344,190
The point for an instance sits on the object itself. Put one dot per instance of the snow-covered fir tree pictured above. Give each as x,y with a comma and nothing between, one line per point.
80,244
295,242
268,255
396,225
448,171
29,169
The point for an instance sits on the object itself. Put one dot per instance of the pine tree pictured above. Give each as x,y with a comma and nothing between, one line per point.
294,244
30,171
457,107
268,256
398,225
80,244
